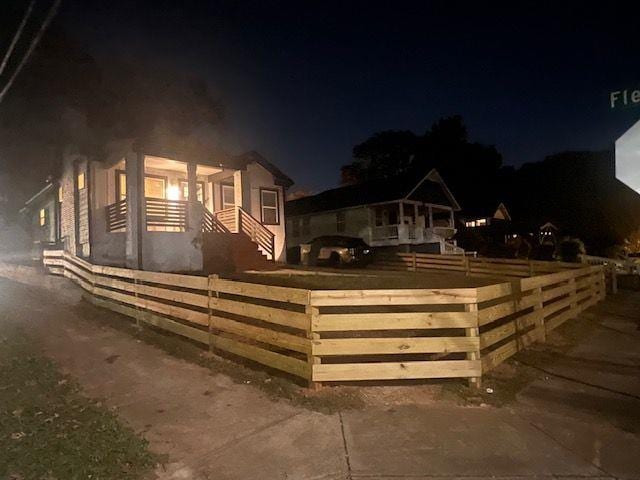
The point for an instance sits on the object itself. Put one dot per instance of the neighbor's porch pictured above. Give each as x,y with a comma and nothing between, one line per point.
410,222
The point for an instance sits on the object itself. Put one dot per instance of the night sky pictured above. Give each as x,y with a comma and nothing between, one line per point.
303,82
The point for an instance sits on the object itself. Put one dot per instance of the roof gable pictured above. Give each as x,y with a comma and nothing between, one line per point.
429,189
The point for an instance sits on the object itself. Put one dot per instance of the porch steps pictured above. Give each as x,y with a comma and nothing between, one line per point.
225,252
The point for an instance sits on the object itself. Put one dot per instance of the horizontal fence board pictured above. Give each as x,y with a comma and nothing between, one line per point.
266,292
387,346
336,322
492,292
271,359
267,314
395,371
263,335
497,334
173,279
392,297
495,312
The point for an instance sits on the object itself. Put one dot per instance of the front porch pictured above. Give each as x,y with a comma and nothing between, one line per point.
165,212
411,223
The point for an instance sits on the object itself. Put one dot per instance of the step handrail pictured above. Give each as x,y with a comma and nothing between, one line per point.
256,231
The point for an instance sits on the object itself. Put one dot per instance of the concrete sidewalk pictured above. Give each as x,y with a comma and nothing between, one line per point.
578,419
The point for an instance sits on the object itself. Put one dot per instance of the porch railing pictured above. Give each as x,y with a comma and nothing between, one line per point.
210,222
116,215
238,220
384,232
167,214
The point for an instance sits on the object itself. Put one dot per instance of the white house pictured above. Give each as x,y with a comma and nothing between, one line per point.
408,211
181,209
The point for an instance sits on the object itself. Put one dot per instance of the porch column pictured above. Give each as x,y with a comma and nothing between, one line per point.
451,219
430,209
192,182
242,190
136,223
401,211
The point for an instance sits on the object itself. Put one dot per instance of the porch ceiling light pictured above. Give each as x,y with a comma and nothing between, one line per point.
173,192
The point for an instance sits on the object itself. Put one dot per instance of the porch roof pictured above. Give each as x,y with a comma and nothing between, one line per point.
408,186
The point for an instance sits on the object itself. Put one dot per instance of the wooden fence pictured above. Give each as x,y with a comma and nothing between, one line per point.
473,266
346,335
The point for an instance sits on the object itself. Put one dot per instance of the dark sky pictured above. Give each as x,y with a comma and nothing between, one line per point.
303,82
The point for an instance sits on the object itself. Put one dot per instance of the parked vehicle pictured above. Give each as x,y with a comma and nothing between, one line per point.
337,251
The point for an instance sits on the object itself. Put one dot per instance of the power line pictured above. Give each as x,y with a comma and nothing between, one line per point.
52,13
16,37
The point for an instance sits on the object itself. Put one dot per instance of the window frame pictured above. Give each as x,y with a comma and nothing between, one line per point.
262,205
224,185
43,217
121,173
185,183
165,181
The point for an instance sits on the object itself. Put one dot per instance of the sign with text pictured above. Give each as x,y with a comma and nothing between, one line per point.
624,98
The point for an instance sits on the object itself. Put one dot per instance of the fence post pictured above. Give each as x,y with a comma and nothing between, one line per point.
474,382
537,307
466,263
573,294
312,314
414,262
211,302
135,293
614,279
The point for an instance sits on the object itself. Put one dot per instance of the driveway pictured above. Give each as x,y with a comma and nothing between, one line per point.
578,417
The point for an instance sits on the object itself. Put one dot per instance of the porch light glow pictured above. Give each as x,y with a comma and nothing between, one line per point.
173,192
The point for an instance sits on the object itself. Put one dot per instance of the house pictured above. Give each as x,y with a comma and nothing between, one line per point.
182,209
481,215
484,227
414,212
42,215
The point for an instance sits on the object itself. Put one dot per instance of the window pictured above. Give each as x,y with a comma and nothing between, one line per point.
121,185
470,224
184,189
306,225
60,195
228,196
155,187
481,222
269,207
340,222
43,217
295,227
81,181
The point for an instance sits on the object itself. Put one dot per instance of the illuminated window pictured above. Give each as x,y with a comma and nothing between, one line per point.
60,194
481,222
269,207
155,187
341,222
43,217
81,181
228,196
121,185
470,224
184,188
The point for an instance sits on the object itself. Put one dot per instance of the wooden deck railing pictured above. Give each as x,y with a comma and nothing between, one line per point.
346,335
169,214
238,220
116,215
210,222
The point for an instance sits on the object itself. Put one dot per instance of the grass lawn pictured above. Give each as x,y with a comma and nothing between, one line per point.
48,430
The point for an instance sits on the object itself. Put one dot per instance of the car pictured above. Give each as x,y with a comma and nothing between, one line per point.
337,251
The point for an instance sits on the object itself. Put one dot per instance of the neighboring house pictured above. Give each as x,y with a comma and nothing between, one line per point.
148,207
484,227
42,219
409,211
478,215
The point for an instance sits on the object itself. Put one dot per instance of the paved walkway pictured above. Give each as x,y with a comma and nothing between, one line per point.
579,419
